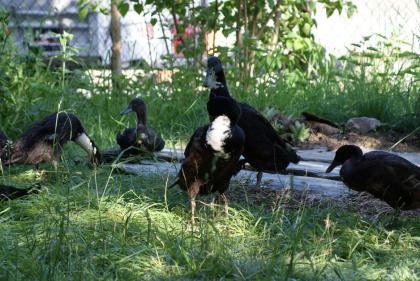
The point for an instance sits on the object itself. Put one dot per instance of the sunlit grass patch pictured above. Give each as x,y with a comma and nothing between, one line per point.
129,232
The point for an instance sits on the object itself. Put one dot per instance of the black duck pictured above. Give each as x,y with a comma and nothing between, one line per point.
43,141
386,176
212,154
141,138
264,149
10,192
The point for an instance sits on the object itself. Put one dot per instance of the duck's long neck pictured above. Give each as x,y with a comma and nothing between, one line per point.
220,77
141,118
87,144
220,91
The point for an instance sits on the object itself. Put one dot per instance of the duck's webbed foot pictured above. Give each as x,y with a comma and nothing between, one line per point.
192,193
225,203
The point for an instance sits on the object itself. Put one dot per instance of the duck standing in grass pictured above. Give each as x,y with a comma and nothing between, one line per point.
386,176
212,154
264,149
141,138
44,140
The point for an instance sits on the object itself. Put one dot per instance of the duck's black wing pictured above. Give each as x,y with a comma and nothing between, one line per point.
3,143
10,192
264,148
141,137
311,117
149,139
392,160
198,134
127,138
59,127
197,156
3,140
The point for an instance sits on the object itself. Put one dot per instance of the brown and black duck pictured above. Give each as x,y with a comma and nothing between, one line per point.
386,176
213,152
43,141
264,149
141,138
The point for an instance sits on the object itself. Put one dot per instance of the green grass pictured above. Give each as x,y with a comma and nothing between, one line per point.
103,225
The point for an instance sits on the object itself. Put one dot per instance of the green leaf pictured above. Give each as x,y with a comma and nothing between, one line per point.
312,5
104,11
83,12
123,8
297,45
351,9
307,29
330,11
138,8
153,21
339,7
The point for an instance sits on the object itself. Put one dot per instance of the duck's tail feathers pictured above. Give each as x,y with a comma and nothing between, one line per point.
311,117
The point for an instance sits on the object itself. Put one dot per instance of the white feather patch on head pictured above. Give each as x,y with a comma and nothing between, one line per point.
84,141
217,134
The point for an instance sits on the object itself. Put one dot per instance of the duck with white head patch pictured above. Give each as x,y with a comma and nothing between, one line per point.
264,149
142,138
212,154
44,140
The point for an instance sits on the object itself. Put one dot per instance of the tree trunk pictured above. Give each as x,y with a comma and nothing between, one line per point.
116,43
253,31
240,52
245,58
215,26
275,37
